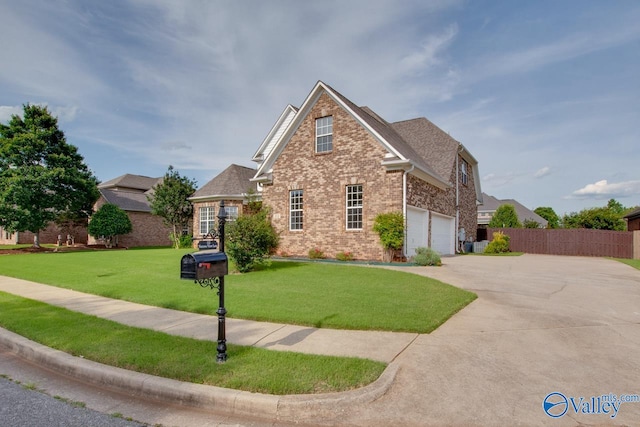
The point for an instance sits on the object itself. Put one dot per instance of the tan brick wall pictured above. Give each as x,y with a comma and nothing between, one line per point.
147,230
47,236
355,159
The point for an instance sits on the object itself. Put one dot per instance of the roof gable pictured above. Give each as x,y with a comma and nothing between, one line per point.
491,204
275,133
401,155
233,182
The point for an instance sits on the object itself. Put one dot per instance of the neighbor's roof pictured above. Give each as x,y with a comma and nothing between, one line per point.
491,204
233,182
134,182
127,200
633,214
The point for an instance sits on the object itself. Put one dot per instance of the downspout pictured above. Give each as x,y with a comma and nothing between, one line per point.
460,149
404,206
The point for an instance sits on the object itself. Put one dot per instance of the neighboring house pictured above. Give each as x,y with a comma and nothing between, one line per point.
49,235
633,220
129,193
328,168
234,186
490,204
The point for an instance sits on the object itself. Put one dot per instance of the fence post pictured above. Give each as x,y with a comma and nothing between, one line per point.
636,244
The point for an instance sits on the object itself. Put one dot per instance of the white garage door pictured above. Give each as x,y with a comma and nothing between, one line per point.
417,230
443,234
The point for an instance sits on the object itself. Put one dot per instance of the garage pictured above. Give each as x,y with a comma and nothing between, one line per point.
417,230
443,234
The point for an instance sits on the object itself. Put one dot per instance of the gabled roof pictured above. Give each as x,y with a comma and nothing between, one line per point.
275,133
231,183
410,145
129,181
491,204
127,200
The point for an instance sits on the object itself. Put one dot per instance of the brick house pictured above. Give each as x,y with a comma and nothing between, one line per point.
234,186
129,192
328,168
490,205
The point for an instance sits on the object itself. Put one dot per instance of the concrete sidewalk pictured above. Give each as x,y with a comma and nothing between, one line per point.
375,345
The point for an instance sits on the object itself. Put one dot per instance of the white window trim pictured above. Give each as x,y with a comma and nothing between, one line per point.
350,209
319,135
300,201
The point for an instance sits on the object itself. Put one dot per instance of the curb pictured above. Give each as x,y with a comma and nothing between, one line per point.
232,402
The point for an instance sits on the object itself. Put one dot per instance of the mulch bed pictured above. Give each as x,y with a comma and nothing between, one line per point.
33,250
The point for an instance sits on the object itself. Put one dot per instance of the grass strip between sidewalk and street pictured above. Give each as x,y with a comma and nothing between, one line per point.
184,359
322,295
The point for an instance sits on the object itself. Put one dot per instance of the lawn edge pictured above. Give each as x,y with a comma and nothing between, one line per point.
229,401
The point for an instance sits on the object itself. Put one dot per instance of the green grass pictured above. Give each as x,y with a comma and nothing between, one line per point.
312,294
183,359
635,263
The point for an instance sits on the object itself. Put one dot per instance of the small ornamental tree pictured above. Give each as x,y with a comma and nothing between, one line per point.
250,239
109,222
390,228
170,200
505,217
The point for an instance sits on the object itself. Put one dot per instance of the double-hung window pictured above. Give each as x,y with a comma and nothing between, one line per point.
324,134
207,219
295,210
232,212
354,207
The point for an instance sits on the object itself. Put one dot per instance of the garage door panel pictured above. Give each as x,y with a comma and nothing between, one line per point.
443,234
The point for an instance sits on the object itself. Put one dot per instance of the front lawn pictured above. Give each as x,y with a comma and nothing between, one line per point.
184,359
312,294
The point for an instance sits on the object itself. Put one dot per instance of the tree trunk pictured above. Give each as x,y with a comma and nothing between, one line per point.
36,239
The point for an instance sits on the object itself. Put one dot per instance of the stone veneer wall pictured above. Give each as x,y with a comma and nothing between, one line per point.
355,159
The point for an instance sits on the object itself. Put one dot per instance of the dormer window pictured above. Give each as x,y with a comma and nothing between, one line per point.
324,134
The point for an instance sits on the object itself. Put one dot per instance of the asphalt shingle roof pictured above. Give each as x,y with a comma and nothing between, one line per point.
234,180
136,182
127,200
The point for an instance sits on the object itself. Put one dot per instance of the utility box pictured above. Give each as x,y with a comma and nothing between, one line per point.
204,265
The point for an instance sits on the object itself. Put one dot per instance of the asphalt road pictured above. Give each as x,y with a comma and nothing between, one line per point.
25,406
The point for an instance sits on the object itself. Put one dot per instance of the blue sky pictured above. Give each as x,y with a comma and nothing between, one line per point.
545,94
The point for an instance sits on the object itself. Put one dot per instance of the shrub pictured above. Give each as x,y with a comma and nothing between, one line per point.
390,228
109,222
185,241
316,253
426,256
249,240
344,256
499,244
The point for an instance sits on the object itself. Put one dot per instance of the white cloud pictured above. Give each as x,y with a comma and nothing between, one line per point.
428,54
604,190
542,172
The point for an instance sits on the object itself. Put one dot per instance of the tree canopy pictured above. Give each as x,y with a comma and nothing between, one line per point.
41,175
505,217
169,200
546,212
109,222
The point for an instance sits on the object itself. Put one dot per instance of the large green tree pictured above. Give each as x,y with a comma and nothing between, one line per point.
603,218
170,200
505,217
546,212
41,175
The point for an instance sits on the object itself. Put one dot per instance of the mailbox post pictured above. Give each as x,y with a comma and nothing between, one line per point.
208,268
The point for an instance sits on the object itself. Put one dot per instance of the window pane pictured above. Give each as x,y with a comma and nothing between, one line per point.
354,207
324,134
295,210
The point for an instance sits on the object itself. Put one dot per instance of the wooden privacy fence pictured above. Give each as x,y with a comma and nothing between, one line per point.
575,241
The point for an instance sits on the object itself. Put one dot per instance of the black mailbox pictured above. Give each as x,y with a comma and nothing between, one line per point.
204,265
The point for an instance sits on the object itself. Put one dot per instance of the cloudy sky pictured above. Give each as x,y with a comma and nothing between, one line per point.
545,94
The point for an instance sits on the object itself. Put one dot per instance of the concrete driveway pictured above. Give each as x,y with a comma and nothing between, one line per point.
541,324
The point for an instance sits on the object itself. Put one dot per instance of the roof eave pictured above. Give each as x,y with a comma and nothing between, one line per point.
409,167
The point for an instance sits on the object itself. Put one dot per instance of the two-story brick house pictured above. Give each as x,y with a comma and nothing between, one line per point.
328,168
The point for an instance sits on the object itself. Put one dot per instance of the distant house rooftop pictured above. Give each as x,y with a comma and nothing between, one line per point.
490,204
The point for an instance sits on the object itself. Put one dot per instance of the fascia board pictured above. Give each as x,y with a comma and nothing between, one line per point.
409,167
